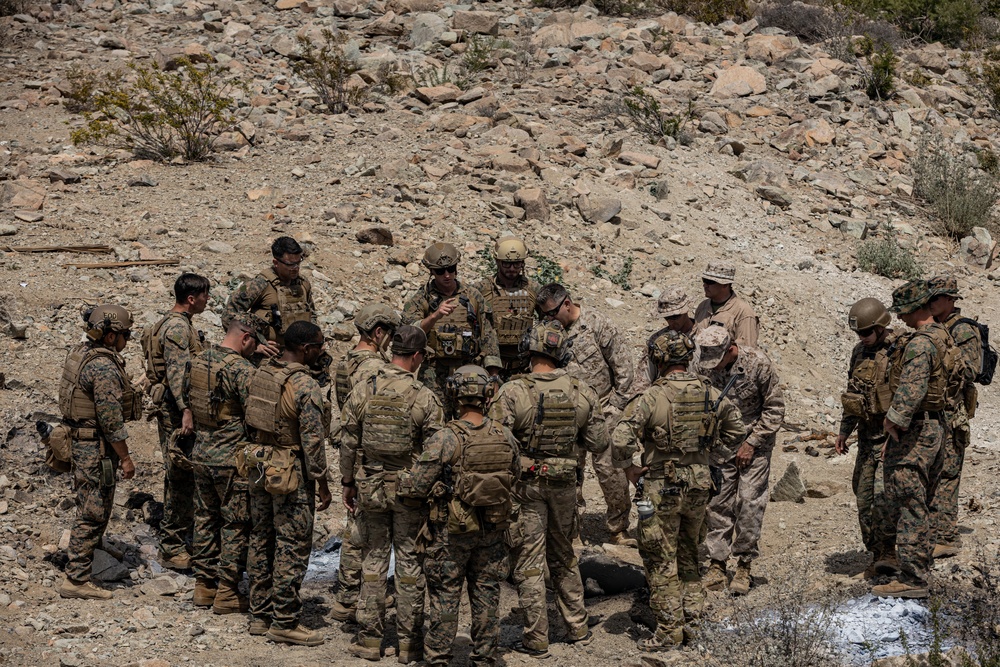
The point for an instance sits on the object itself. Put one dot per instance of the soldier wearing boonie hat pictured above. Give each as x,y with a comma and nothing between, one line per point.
722,307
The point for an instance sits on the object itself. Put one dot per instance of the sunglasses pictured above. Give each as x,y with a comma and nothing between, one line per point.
555,311
281,261
864,333
706,281
447,269
512,265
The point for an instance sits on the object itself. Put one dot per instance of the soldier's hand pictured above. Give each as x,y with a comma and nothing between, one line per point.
447,307
633,473
892,429
350,495
187,422
323,491
744,455
269,350
128,468
841,446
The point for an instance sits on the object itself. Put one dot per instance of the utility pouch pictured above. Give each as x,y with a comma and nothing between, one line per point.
58,446
372,496
156,394
241,462
557,470
280,476
970,397
107,473
854,404
462,517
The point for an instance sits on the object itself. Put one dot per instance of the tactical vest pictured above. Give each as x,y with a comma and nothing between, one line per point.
211,407
387,430
263,411
868,392
75,403
344,377
456,335
946,365
293,304
554,431
682,417
481,469
152,346
513,313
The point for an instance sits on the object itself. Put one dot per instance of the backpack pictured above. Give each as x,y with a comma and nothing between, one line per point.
989,362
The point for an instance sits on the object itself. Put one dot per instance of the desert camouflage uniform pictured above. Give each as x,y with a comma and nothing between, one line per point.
494,294
222,495
547,521
678,484
602,359
395,527
435,372
736,514
868,479
101,379
259,296
735,316
944,506
282,525
478,559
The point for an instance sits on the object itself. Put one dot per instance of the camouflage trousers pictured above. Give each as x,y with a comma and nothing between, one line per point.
944,508
869,490
178,492
280,544
912,468
542,536
221,524
395,529
736,514
93,508
668,544
349,572
614,486
479,560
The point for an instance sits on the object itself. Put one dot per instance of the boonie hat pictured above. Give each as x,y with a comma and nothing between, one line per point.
673,301
408,339
943,285
712,342
724,274
255,325
910,296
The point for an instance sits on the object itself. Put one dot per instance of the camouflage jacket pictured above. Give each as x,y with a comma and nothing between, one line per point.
175,338
757,394
419,307
918,363
515,407
426,413
601,357
848,423
651,409
256,295
101,379
735,315
218,447
970,346
365,363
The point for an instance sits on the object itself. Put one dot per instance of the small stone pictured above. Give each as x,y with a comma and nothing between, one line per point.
534,203
63,176
738,81
660,189
437,94
483,23
343,332
375,236
597,210
8,230
166,585
614,303
298,172
3,510
790,486
18,330
218,247
143,181
25,216
107,568
775,195
392,279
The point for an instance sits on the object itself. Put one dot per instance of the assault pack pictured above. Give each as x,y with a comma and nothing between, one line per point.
988,365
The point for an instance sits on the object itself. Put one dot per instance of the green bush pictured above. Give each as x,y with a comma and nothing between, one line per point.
961,196
649,118
11,7
885,257
328,70
481,53
620,277
984,80
879,78
160,115
547,271
83,85
949,21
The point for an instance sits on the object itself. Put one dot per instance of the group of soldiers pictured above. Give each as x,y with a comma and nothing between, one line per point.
463,430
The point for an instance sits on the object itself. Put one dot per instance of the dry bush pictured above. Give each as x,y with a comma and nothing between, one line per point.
973,612
984,79
705,11
328,69
884,256
961,196
11,7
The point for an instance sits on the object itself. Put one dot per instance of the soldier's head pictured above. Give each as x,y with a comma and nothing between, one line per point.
717,279
509,253
553,302
191,292
674,305
943,296
305,340
245,332
546,340
715,348
470,385
441,259
669,350
910,302
286,254
108,325
409,347
376,322
868,318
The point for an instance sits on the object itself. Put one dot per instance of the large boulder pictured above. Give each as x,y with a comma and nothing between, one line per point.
738,81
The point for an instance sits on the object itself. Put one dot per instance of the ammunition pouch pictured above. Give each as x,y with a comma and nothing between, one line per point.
462,517
107,473
970,397
275,467
854,405
59,447
179,448
376,493
554,471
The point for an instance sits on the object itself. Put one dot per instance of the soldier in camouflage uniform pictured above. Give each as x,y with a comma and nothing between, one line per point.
865,404
385,422
96,398
674,306
735,515
919,366
551,414
467,470
288,471
601,358
456,319
723,308
961,408
376,323
220,385
665,438
510,296
168,347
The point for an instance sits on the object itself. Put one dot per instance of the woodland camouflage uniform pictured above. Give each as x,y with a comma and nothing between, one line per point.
263,295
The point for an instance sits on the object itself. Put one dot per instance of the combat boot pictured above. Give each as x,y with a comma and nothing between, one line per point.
740,585
900,589
368,649
662,641
229,601
715,579
946,550
409,652
887,565
204,593
342,613
298,635
259,626
181,561
623,540
83,591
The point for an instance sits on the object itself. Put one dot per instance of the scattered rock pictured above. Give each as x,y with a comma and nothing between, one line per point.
597,210
11,230
738,81
143,181
775,195
977,248
107,568
534,203
218,247
790,486
483,23
375,236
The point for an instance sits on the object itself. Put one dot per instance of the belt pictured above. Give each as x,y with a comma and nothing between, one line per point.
86,434
532,478
929,415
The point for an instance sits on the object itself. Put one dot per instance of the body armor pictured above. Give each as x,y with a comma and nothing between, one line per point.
481,469
553,434
210,406
682,420
455,336
513,313
292,304
388,433
868,393
152,346
263,411
346,370
76,404
946,364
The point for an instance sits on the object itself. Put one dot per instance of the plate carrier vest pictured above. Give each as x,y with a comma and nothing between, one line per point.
211,408
293,305
456,335
682,419
264,406
387,428
76,404
947,365
513,313
481,469
868,391
152,346
554,431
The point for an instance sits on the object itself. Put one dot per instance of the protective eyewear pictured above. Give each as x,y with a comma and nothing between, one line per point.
447,269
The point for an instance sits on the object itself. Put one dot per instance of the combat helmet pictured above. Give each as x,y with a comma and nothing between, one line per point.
510,249
547,338
104,319
868,313
440,255
376,314
471,384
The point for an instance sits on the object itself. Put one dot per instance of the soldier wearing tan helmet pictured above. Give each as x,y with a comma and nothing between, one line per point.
456,318
724,308
510,295
96,398
865,403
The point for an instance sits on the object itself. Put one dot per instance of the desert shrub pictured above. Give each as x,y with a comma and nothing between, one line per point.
547,270
879,77
810,23
11,7
439,76
988,161
649,118
83,85
518,60
328,70
481,53
961,196
388,81
161,115
705,11
884,256
984,79
619,277
949,21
